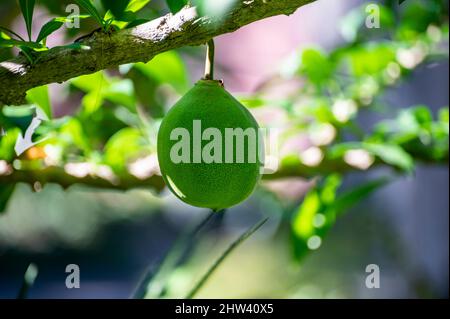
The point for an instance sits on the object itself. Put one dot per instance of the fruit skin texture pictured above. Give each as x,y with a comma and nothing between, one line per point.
214,185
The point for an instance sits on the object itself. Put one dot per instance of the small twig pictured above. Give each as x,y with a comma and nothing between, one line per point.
225,254
171,259
28,281
81,38
209,63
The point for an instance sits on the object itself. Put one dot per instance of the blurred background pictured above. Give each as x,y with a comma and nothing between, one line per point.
329,83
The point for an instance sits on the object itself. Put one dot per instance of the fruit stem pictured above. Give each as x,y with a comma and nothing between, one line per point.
209,64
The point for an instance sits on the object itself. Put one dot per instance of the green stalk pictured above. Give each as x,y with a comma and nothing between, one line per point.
171,259
209,64
225,254
28,281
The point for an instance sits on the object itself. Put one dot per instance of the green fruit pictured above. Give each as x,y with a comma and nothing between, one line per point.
205,171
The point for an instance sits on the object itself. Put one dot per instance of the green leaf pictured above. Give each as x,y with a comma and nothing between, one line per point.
371,59
89,7
302,224
129,15
28,53
320,208
48,28
329,189
99,87
314,216
443,115
136,5
3,29
253,102
116,7
391,154
316,66
350,198
6,192
136,22
90,82
176,5
27,8
7,143
72,133
126,144
13,42
121,93
167,67
92,101
40,97
121,21
213,8
96,85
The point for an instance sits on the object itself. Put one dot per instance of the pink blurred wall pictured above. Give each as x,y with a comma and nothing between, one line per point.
251,54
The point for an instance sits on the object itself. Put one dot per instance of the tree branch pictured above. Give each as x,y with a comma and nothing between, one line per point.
59,175
138,44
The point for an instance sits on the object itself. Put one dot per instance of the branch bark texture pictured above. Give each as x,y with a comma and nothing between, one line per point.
138,44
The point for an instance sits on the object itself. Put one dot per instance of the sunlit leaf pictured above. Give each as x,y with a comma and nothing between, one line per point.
12,42
316,66
329,189
215,9
166,68
40,97
302,223
371,59
314,216
444,115
389,153
93,84
72,133
7,143
121,93
176,5
123,146
92,101
136,5
116,7
128,18
90,82
320,208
